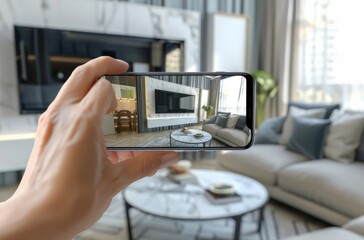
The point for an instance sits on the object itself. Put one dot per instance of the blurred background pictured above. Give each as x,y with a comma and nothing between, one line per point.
304,50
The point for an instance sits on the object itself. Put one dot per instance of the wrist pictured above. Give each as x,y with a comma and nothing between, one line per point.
26,216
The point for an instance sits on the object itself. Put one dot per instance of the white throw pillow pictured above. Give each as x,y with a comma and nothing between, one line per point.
231,122
298,112
344,136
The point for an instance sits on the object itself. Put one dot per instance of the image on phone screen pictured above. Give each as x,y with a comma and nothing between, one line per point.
181,111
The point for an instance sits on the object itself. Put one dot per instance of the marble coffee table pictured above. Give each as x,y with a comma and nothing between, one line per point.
159,196
189,137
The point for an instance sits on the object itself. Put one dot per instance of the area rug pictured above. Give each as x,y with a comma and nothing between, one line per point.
280,222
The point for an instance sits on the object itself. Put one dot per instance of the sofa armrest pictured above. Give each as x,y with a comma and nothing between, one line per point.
270,131
356,225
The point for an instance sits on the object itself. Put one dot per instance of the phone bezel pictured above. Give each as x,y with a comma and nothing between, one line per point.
250,110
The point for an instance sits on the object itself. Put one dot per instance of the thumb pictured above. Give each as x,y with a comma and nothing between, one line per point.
140,165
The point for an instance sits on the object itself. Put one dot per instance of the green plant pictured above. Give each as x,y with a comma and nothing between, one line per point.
209,110
266,88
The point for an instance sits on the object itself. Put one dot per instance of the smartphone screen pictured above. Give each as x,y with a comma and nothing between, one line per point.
181,111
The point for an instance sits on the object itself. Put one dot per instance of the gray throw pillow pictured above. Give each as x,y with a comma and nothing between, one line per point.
241,123
298,112
309,136
221,121
360,150
270,131
211,120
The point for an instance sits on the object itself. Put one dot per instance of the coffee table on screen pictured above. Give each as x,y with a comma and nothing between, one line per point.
161,197
190,138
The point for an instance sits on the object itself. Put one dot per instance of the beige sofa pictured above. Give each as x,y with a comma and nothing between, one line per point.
230,136
354,230
329,190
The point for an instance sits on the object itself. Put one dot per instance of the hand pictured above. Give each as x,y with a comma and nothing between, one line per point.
71,178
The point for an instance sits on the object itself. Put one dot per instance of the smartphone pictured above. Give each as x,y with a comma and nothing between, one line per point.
181,111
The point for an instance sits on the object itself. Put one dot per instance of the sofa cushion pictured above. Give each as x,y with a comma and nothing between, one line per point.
333,184
356,225
270,131
329,107
262,162
308,136
333,233
235,136
344,136
298,112
211,128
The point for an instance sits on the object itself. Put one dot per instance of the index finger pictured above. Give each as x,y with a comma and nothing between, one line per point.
85,76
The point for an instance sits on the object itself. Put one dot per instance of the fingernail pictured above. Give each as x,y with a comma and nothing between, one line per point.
169,158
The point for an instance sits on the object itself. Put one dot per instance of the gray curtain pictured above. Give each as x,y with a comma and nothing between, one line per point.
277,52
214,95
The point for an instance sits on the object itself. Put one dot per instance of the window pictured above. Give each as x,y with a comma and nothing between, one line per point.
232,91
330,52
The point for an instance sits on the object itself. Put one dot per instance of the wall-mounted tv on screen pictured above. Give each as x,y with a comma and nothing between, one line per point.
173,102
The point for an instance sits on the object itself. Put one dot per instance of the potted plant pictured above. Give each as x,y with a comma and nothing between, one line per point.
266,89
209,110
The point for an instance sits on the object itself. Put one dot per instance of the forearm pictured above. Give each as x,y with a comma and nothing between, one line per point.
22,217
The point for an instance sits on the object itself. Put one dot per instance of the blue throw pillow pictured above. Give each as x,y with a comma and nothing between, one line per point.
270,131
309,136
211,120
241,123
221,121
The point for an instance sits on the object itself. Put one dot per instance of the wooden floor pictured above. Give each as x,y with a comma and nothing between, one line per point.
150,139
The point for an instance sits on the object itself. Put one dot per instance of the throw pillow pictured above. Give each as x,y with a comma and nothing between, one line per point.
246,130
241,123
298,112
232,120
222,114
221,121
329,107
344,136
308,136
211,120
270,130
360,150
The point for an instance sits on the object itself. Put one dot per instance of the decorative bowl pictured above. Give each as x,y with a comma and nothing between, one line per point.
221,188
198,135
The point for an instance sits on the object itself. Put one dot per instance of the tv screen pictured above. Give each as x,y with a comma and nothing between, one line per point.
173,102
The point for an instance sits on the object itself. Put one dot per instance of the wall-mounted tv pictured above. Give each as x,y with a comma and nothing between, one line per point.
45,58
173,102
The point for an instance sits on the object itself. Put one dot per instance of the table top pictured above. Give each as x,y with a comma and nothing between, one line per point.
159,196
188,137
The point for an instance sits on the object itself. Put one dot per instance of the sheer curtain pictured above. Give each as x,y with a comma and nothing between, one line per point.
232,95
330,53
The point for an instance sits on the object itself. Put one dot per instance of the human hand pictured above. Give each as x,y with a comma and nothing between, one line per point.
71,178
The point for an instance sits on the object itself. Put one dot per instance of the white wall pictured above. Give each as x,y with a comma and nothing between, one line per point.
92,16
160,119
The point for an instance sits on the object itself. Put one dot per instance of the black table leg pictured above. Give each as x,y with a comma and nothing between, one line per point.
261,222
130,231
237,220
